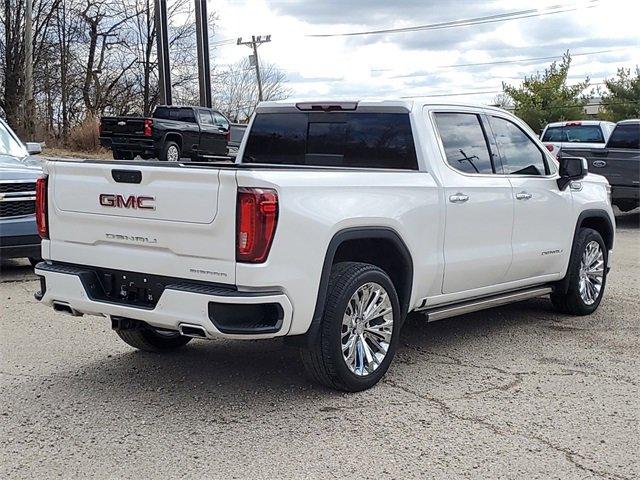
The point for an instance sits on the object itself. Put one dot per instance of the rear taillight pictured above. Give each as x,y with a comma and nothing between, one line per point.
257,217
549,147
42,220
148,127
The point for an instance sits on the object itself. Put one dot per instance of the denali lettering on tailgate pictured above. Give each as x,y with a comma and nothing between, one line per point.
130,238
132,201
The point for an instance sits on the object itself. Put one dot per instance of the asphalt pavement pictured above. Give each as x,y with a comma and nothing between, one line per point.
515,392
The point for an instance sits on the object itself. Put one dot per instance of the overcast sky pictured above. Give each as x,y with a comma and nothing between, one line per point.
426,62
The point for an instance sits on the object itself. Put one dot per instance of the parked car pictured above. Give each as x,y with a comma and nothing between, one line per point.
18,173
576,134
235,139
171,134
618,161
337,219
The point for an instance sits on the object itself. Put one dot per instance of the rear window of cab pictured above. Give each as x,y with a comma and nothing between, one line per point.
336,139
574,134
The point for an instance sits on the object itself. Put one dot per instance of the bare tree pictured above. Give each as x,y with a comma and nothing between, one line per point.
502,100
236,88
95,57
105,65
12,48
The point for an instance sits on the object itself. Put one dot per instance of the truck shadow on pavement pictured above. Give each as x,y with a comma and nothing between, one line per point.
628,220
217,374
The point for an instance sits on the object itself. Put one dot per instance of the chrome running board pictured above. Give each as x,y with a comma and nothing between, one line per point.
453,310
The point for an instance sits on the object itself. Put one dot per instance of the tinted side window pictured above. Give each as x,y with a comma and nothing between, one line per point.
464,142
520,156
183,115
161,112
205,117
625,136
374,140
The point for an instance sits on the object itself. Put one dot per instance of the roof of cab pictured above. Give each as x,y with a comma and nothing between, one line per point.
367,103
578,122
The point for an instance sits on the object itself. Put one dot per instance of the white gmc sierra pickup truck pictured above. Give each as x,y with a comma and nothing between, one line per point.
337,219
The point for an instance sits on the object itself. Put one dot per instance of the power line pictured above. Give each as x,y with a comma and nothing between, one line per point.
481,92
503,17
504,62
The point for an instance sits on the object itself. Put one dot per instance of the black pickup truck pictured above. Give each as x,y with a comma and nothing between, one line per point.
170,134
619,162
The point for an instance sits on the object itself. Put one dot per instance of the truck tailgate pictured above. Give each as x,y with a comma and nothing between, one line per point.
121,126
177,222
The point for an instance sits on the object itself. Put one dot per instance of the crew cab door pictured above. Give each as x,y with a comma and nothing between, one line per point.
479,203
208,133
619,161
222,133
542,224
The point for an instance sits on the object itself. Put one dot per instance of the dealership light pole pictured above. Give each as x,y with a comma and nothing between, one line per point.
254,43
29,106
202,43
164,70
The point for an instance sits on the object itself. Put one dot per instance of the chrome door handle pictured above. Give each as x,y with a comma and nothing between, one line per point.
599,163
523,196
458,198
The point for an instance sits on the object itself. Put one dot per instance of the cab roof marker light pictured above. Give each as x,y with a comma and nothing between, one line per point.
326,107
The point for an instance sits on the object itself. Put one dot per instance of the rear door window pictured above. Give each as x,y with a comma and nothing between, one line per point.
625,136
183,115
161,112
205,117
520,155
368,140
465,142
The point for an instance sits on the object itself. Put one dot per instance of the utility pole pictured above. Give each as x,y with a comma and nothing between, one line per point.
28,70
202,43
254,44
164,69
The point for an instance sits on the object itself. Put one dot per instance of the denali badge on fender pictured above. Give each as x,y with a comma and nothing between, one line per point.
132,201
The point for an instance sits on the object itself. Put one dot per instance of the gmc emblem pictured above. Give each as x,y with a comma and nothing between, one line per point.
132,201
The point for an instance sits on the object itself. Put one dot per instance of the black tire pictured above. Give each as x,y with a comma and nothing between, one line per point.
323,358
34,261
165,151
150,340
571,301
119,155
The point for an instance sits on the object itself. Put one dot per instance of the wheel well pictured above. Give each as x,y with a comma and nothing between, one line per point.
174,137
602,226
385,254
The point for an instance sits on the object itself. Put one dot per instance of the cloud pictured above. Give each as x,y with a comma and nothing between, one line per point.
377,13
419,62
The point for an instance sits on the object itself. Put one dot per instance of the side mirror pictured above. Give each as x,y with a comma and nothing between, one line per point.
571,169
33,148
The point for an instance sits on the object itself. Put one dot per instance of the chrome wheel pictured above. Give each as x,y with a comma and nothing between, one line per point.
173,154
591,273
367,326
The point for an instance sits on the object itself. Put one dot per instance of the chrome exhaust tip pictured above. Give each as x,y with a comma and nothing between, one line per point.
195,331
64,307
